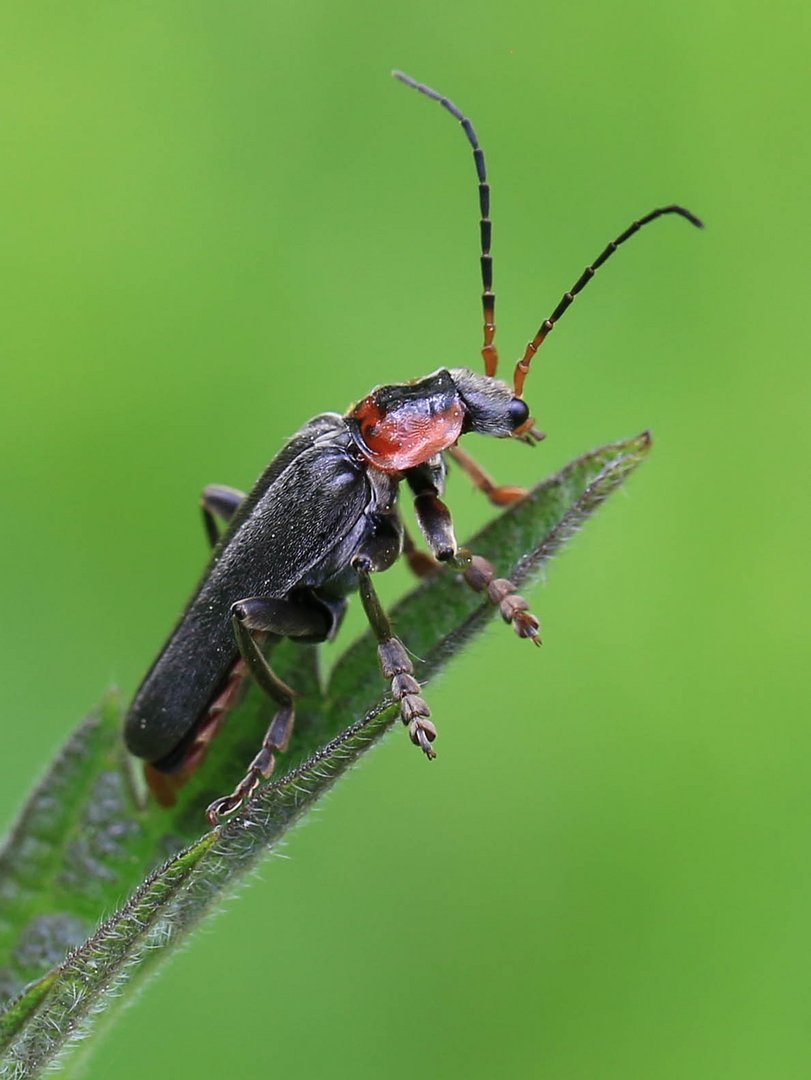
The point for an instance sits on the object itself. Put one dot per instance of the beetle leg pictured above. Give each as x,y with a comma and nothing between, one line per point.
498,494
218,501
437,526
481,577
260,616
396,664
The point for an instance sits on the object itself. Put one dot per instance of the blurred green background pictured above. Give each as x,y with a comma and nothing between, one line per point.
221,219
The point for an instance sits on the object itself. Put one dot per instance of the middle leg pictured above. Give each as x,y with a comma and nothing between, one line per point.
396,664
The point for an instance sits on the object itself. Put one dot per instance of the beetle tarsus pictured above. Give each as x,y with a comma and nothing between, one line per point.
221,808
422,733
481,577
275,741
396,666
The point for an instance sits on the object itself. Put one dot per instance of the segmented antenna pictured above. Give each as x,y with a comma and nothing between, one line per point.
522,367
489,351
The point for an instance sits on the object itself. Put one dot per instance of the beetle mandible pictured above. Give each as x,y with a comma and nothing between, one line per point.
283,569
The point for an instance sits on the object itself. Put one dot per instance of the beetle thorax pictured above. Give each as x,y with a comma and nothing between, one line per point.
399,427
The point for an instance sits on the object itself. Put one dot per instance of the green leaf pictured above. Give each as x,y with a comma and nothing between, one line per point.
87,836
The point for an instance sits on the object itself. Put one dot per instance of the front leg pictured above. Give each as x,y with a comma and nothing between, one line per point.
498,494
437,527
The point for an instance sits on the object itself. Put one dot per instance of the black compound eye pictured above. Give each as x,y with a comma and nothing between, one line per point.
518,412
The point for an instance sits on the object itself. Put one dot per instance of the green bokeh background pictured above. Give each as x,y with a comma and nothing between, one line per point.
221,219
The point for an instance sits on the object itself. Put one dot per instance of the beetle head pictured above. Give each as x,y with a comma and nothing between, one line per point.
491,406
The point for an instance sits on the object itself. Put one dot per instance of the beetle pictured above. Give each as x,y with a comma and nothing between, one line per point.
320,521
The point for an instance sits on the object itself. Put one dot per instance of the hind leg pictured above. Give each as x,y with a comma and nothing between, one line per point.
253,619
218,501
